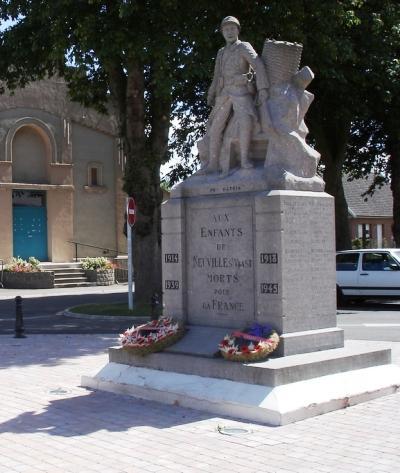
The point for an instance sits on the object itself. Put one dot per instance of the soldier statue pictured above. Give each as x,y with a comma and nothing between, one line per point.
233,90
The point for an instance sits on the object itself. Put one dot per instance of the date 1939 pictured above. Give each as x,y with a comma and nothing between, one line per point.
170,284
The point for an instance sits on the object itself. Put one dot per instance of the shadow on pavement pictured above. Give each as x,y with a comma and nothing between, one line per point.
43,350
95,411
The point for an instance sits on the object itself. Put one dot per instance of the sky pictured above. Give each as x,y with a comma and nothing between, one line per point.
5,24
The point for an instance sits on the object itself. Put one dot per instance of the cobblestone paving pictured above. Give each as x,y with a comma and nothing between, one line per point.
49,424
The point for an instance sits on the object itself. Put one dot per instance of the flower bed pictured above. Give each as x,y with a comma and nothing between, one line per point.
100,277
99,271
253,344
27,274
33,280
152,337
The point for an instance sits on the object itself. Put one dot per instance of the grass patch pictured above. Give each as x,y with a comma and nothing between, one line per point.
120,309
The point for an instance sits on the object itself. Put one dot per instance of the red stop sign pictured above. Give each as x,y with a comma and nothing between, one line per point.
131,211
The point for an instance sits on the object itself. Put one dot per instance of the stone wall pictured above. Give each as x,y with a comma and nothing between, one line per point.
34,280
94,206
100,278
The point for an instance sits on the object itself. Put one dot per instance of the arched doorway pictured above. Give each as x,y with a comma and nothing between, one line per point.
30,149
29,156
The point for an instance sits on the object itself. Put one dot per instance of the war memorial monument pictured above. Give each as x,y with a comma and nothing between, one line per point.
249,239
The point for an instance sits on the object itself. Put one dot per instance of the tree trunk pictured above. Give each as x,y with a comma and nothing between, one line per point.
143,183
142,180
394,152
331,139
334,187
147,254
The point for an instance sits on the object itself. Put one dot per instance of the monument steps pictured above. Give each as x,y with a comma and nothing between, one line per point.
272,372
276,392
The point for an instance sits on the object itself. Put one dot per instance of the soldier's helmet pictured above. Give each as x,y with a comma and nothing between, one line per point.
230,19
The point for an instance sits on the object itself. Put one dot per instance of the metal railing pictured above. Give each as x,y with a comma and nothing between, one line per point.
106,251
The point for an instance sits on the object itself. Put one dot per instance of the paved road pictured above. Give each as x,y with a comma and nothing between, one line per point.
371,321
40,310
368,321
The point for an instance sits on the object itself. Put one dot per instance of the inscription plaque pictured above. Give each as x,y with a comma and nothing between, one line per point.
220,265
170,284
269,288
269,258
171,257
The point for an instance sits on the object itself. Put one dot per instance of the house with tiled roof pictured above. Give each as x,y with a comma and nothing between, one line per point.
370,216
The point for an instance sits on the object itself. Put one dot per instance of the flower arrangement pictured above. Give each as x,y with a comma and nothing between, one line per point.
96,264
152,337
19,265
253,344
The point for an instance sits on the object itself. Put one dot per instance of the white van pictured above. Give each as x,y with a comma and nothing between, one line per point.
368,274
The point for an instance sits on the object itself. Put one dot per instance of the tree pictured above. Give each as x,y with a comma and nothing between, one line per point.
351,45
375,139
132,54
153,59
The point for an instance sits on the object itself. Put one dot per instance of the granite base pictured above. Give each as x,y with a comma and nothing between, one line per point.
277,391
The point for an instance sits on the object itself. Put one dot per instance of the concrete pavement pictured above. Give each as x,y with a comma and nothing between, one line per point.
50,424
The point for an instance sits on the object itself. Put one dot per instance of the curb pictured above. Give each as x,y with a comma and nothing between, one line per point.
119,318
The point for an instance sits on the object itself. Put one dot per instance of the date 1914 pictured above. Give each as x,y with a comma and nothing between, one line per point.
171,257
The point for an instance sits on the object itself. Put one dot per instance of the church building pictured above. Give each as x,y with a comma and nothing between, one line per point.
61,175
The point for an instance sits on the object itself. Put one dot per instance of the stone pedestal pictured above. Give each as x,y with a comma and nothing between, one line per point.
244,256
234,254
277,391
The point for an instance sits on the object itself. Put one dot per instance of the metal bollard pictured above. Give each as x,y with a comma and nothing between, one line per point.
154,302
19,318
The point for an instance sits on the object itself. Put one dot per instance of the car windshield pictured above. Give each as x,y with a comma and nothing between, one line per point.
396,254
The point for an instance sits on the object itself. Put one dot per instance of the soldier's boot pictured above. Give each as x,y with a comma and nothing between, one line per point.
213,162
246,163
212,165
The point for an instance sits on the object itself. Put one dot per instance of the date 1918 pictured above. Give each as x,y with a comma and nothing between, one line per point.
268,258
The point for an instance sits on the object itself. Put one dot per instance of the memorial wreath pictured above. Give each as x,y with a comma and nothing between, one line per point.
253,344
152,337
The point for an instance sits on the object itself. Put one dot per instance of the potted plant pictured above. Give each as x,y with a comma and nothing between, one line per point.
98,270
27,274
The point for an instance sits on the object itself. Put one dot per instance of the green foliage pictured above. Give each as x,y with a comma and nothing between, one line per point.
19,265
357,243
116,309
152,61
96,264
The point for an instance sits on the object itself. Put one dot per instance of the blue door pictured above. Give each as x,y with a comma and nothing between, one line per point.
30,232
